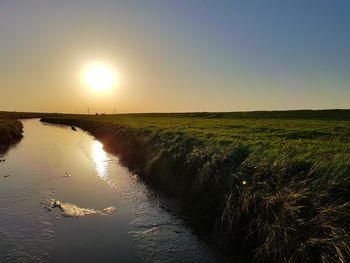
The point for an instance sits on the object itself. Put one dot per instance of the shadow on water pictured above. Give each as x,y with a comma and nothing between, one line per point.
5,148
219,251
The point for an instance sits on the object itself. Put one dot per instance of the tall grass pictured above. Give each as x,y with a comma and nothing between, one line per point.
280,189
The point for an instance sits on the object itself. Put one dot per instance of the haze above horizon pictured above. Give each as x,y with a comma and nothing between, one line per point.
175,56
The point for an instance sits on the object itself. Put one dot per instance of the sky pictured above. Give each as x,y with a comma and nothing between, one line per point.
175,56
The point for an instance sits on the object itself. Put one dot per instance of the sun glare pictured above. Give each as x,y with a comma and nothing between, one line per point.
100,157
99,77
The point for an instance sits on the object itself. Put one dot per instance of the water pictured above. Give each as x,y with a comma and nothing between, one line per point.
55,163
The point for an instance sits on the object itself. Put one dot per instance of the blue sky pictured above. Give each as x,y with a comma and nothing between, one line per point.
176,55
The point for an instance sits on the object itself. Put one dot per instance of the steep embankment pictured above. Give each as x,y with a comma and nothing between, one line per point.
280,208
10,133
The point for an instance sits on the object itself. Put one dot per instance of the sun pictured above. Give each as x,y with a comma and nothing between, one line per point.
99,77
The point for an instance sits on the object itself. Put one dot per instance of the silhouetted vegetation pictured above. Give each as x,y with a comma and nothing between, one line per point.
278,186
10,132
335,114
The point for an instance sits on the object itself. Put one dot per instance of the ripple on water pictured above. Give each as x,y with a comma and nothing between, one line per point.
27,239
161,236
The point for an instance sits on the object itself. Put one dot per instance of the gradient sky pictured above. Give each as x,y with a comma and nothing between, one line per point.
202,55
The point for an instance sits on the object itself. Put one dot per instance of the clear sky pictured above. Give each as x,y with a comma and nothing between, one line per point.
193,55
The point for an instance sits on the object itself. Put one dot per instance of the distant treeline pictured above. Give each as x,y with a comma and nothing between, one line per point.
337,114
332,114
28,115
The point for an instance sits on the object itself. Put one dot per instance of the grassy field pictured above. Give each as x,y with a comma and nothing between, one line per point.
277,183
309,138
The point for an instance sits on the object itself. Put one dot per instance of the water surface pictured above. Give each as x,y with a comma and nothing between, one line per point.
54,162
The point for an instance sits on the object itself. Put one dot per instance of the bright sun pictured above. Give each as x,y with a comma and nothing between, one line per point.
99,77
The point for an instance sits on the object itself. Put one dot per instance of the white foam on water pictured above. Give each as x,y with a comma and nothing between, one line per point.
71,210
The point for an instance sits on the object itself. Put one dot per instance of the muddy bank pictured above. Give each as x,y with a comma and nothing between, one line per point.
10,133
281,209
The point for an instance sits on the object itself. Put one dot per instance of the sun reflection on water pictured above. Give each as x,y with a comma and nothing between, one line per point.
100,159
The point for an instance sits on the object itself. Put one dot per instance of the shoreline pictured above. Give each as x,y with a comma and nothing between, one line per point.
11,132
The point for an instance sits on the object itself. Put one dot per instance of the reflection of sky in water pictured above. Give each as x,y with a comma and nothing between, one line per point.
100,159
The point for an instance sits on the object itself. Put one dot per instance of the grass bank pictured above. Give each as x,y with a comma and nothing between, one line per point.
10,132
279,186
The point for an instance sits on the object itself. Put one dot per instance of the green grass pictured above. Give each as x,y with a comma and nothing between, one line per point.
309,138
295,205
